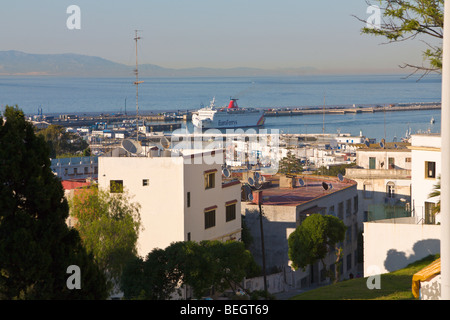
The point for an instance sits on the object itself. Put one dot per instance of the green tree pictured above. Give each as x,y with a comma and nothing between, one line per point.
109,226
436,193
334,170
36,245
314,239
290,164
405,20
201,266
63,143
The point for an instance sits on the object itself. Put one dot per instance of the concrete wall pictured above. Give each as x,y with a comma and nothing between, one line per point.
390,246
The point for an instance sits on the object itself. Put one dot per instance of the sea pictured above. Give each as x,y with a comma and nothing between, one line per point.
83,96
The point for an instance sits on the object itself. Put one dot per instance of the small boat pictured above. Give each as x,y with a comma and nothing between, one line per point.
432,120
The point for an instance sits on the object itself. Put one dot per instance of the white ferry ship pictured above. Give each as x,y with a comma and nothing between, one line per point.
227,117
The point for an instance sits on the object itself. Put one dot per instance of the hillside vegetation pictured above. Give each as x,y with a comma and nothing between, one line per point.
394,286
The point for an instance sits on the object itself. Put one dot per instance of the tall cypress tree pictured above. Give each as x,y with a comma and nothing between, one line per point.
36,245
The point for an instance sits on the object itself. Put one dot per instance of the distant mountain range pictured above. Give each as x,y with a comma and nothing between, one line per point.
20,63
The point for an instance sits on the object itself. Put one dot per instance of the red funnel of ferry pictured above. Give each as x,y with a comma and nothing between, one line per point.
233,104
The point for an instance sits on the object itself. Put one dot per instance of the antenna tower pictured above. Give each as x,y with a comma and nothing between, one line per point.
136,83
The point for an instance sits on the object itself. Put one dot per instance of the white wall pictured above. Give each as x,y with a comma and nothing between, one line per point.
162,206
390,246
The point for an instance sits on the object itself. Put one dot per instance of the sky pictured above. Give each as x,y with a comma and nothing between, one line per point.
265,34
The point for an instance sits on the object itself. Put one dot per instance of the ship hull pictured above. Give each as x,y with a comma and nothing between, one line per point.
229,121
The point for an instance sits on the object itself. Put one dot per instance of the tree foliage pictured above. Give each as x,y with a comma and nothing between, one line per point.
36,245
63,143
109,226
406,20
314,239
200,266
290,164
436,193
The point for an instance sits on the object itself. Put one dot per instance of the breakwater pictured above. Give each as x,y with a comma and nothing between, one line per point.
344,110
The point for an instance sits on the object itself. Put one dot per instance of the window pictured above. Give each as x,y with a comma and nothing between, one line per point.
145,182
390,189
341,210
86,170
368,190
210,219
116,186
188,200
391,163
188,236
349,261
430,169
372,163
210,180
429,214
407,160
75,170
230,212
331,211
355,205
348,209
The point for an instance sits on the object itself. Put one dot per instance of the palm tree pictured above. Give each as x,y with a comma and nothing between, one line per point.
436,193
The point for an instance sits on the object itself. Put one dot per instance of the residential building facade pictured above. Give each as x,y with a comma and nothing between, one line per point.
181,197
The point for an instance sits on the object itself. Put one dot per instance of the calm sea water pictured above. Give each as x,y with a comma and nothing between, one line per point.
58,95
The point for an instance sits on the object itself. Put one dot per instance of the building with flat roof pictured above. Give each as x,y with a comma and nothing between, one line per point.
286,204
383,175
182,197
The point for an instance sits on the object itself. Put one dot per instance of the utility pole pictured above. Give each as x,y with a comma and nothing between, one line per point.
137,82
262,240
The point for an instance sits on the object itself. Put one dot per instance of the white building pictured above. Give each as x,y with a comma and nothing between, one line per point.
384,182
75,167
426,169
408,239
182,197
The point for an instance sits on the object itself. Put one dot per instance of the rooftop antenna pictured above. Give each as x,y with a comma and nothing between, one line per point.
323,120
136,83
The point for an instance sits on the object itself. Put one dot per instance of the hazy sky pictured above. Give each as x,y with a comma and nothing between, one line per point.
207,33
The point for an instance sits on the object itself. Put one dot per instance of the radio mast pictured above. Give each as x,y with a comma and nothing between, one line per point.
136,83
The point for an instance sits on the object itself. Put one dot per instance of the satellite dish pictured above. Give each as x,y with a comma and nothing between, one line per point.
250,197
257,176
263,179
164,142
340,177
324,186
251,181
395,146
131,146
247,190
226,172
330,186
301,182
367,143
382,144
